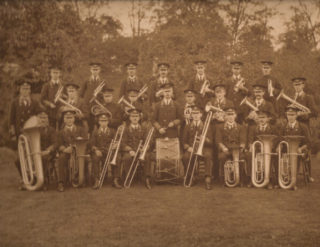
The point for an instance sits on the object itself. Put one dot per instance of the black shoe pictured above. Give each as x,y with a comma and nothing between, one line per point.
116,183
60,187
148,184
208,183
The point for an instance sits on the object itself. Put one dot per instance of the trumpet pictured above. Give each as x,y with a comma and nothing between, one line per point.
248,103
99,108
77,162
58,97
29,150
197,150
261,162
232,169
116,140
97,91
288,161
293,102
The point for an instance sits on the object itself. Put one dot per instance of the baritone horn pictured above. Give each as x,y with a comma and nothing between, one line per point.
232,169
29,149
288,161
261,161
99,108
197,150
293,102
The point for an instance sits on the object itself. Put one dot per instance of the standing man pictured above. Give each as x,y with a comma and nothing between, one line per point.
271,83
22,108
237,88
48,93
155,92
201,83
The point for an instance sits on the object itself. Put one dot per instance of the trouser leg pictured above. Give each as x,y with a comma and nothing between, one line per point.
62,167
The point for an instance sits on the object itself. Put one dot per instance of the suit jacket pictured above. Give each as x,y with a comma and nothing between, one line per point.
88,87
48,92
132,137
48,137
275,84
231,137
300,129
127,84
235,96
101,140
254,131
66,137
155,85
189,134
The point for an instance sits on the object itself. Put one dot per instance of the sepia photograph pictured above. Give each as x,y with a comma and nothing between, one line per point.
157,123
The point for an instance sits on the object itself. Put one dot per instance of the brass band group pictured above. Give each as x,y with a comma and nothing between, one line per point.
232,131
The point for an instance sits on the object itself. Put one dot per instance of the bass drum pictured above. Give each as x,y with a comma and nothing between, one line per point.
169,167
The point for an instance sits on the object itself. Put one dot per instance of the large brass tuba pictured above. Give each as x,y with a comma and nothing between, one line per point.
261,161
29,149
197,150
232,169
288,161
77,162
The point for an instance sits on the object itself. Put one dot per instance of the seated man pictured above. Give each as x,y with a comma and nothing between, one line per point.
263,127
100,143
229,136
134,133
196,127
65,141
295,128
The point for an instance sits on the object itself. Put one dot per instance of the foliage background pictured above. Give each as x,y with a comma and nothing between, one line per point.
35,33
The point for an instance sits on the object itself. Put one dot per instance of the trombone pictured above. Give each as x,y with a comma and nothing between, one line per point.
58,97
116,140
293,102
139,156
197,150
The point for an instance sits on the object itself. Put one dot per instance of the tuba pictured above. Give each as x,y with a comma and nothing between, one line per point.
293,102
77,162
261,161
29,149
140,156
197,150
232,169
288,161
112,154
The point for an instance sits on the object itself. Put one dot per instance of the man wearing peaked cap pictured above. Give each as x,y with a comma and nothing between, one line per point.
49,91
189,132
201,83
133,134
100,142
237,87
271,83
155,94
131,81
23,106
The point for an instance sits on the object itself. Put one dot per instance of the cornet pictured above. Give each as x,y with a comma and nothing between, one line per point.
293,102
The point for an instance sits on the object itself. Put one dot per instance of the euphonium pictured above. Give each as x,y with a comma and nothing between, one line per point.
294,102
232,169
111,151
77,162
197,150
29,149
58,97
99,108
261,162
288,161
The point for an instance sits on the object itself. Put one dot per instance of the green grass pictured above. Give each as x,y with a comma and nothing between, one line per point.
167,215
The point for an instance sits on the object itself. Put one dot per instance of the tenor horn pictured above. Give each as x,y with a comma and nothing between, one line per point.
29,149
77,162
293,102
288,161
261,161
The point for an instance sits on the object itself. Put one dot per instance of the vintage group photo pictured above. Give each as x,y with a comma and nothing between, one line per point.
160,123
